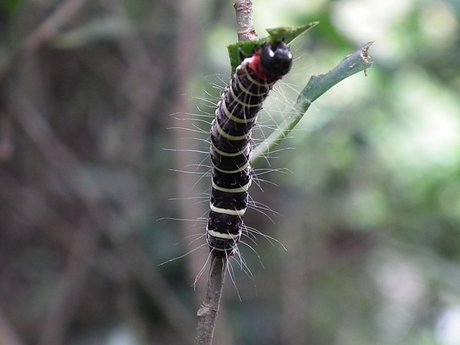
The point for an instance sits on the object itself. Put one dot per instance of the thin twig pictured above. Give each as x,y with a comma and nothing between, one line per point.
316,86
207,314
209,309
244,21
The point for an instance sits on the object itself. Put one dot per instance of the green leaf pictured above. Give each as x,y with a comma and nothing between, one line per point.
287,34
239,51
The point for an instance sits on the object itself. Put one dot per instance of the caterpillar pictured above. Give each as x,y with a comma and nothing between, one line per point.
231,146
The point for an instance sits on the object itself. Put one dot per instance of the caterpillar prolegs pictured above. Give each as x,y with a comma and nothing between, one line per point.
231,145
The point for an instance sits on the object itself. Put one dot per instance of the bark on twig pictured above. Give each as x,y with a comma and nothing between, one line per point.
207,313
244,21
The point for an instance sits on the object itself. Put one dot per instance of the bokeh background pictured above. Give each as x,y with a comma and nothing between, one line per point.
101,176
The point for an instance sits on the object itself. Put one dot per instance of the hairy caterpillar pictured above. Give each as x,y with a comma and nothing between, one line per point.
231,146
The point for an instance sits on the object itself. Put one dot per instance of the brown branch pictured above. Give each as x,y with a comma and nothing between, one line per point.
244,21
207,313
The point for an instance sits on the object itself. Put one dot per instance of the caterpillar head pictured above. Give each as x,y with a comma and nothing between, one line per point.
276,59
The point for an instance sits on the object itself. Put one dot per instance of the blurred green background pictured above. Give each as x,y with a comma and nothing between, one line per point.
99,125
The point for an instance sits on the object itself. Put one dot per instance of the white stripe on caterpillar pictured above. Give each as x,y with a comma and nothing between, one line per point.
228,211
241,189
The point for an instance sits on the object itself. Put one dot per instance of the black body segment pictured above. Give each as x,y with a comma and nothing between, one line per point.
235,115
276,59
